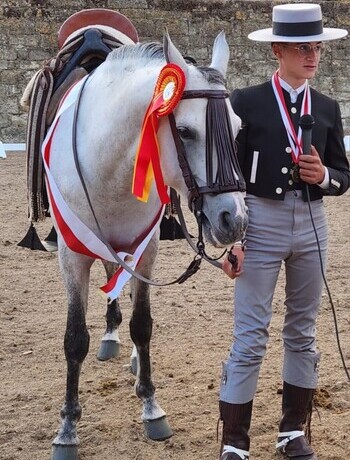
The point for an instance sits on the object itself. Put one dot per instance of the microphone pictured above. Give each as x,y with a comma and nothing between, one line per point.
306,123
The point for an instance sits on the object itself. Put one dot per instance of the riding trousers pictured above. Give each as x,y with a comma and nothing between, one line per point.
278,231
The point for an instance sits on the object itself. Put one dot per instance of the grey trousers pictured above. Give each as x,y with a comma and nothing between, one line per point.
278,231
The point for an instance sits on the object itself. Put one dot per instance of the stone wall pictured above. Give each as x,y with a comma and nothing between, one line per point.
28,31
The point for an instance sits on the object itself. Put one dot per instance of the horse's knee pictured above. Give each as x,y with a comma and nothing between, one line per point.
76,342
77,347
141,328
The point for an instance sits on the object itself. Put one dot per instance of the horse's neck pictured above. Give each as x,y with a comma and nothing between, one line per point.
109,128
111,116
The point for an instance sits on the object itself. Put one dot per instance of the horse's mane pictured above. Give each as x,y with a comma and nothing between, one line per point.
140,53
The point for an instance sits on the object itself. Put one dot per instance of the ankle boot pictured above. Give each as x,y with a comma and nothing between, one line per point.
296,408
236,423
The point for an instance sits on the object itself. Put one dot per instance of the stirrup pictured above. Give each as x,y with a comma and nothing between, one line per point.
288,436
243,454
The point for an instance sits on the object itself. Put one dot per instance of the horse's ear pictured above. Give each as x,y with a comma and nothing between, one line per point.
221,54
172,54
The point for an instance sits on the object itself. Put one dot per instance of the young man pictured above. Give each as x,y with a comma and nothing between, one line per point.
280,178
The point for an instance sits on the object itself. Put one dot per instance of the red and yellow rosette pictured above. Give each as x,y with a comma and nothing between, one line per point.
167,93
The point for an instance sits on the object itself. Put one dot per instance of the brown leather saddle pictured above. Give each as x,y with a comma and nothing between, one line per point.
91,34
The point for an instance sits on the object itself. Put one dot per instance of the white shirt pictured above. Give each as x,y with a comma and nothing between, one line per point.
294,92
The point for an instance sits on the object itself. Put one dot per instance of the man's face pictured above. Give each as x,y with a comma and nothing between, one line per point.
298,60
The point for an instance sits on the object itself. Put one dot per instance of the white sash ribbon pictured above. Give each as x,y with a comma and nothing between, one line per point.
295,140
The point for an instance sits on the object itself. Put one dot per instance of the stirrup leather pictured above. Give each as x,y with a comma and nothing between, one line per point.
243,454
288,436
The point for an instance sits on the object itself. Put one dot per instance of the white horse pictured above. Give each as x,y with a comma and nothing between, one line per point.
92,191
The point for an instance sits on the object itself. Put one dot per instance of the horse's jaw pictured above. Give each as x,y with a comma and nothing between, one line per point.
224,219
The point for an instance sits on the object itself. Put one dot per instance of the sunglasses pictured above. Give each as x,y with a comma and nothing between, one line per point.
305,49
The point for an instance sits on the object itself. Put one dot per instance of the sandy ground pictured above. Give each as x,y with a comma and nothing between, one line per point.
192,335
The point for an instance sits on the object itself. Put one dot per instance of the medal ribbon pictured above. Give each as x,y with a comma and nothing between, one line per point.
167,93
295,140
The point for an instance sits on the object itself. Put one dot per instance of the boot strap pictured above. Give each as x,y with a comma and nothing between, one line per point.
243,454
288,436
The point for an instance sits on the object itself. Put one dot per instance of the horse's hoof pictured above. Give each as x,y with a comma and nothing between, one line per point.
61,452
108,349
158,429
133,365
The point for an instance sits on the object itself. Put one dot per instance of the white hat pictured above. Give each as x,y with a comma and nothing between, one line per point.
298,22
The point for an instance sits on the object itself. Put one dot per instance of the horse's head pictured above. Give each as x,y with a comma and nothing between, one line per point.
198,151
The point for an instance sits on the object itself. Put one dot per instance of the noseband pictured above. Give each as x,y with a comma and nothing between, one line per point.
220,142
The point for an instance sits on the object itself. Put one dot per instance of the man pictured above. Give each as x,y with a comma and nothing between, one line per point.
280,179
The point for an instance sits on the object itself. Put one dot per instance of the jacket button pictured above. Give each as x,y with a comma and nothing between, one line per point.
290,182
288,149
284,170
278,190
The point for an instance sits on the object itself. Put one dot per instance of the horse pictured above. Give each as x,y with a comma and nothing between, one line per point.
92,188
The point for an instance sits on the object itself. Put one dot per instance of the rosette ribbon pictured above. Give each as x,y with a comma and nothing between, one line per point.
167,93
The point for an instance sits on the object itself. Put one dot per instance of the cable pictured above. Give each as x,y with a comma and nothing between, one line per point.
326,285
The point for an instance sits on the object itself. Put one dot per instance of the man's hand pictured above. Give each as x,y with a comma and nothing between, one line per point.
311,170
233,270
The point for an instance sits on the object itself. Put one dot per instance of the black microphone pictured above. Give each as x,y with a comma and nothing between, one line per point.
306,123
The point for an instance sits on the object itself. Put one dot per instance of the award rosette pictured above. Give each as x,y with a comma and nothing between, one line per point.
167,93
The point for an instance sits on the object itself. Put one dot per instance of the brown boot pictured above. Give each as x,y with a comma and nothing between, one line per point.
236,423
296,406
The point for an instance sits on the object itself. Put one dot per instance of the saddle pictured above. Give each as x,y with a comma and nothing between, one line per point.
84,39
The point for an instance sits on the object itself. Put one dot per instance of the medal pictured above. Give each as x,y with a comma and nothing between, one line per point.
294,172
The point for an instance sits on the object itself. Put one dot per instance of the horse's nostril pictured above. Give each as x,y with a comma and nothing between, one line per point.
229,223
233,226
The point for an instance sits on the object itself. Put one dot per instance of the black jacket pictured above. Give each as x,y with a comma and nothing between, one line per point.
263,143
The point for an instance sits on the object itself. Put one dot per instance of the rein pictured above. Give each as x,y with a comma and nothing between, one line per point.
198,248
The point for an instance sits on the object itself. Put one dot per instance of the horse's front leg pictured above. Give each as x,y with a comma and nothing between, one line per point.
153,416
76,272
110,343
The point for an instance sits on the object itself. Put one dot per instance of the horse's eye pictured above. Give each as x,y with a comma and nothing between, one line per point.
185,133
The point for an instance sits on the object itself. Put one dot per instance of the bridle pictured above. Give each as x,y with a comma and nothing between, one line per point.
228,175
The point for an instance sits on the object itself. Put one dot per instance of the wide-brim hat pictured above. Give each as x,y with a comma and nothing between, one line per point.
297,22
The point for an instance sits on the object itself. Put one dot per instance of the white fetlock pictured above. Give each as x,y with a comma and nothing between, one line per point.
243,454
288,436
